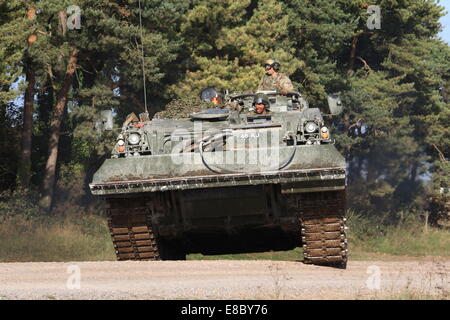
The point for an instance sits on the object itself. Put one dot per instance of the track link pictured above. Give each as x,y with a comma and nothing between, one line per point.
131,229
323,230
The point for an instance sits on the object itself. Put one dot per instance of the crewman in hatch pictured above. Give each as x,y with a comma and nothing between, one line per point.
273,80
261,104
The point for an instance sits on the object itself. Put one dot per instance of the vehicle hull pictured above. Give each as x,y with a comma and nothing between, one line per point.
311,168
166,206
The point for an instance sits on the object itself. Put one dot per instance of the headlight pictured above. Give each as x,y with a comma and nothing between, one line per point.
134,138
311,127
120,142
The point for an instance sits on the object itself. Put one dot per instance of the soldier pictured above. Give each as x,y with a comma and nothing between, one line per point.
274,80
261,104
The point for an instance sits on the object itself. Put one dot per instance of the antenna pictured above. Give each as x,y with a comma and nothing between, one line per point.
143,67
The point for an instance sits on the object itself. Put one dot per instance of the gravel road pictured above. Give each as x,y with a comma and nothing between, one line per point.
222,279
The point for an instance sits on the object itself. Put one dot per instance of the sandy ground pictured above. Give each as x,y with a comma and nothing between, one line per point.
222,279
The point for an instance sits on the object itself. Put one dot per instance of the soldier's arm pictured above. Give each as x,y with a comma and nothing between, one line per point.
285,85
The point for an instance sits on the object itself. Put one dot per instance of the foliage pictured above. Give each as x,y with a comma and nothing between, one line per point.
370,235
19,203
183,107
229,41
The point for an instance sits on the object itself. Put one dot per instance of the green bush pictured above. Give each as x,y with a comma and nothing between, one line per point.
19,202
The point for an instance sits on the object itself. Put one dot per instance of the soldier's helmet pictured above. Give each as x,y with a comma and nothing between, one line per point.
273,63
261,98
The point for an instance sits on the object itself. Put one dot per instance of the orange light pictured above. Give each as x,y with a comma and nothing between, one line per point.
121,149
215,100
325,135
139,125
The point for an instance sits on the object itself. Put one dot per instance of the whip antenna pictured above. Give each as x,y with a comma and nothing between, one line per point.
143,67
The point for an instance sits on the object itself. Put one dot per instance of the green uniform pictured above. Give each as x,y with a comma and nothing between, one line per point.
280,83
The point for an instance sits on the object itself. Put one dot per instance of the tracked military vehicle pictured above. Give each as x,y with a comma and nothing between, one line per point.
227,180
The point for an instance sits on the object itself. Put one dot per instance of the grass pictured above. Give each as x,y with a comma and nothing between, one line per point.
296,254
71,238
408,239
407,242
86,238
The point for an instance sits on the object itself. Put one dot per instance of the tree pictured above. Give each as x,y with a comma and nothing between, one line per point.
14,53
98,66
228,42
394,100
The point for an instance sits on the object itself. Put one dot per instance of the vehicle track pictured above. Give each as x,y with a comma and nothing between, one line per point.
131,229
322,220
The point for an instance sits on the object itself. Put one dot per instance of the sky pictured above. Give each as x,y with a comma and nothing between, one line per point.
445,21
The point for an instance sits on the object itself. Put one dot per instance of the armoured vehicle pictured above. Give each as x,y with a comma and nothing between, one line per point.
227,180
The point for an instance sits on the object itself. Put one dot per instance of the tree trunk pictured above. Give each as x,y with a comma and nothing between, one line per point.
24,168
353,54
48,181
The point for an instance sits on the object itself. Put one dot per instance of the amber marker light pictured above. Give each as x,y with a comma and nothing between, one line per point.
215,100
324,133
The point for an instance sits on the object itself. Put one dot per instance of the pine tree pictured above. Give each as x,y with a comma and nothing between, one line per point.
394,100
228,42
16,18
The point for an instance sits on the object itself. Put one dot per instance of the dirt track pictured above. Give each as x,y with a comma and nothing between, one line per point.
222,280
